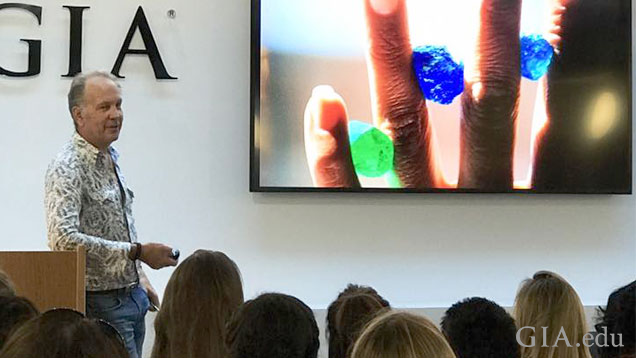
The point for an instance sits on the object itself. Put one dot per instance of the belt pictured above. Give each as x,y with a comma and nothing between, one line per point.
115,291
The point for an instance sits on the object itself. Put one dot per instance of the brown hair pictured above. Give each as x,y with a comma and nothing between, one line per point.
14,311
201,296
348,314
401,335
547,300
63,333
6,286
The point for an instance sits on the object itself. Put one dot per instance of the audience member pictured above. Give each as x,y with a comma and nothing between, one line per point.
547,300
201,296
348,314
14,311
479,328
401,335
64,333
618,317
273,325
6,286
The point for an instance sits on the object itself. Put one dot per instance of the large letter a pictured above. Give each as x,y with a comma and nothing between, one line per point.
140,22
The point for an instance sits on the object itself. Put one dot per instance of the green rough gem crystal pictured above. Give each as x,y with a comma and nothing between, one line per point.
371,150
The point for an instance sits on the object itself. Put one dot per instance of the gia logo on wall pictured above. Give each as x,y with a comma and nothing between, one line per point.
140,22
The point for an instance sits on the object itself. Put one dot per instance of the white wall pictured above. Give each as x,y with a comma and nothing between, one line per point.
185,152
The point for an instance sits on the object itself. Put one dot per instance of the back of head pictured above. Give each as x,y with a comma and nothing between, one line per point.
201,296
6,286
14,311
547,300
401,335
348,314
273,325
619,318
479,328
63,334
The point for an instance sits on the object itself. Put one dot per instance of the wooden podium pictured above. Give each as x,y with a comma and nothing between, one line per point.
50,279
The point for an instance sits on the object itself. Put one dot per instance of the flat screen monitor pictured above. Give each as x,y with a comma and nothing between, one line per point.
493,96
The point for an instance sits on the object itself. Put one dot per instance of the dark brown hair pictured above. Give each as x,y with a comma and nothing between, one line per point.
348,314
619,318
6,286
64,333
273,325
201,296
479,328
14,311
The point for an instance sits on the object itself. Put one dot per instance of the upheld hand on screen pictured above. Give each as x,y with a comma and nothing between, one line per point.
488,104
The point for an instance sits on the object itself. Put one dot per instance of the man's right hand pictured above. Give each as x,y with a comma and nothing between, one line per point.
157,255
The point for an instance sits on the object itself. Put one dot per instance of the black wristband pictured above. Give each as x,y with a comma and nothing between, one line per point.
137,251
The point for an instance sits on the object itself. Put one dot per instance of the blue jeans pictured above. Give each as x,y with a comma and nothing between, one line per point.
125,310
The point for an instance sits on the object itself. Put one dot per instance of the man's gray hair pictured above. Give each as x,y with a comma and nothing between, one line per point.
76,92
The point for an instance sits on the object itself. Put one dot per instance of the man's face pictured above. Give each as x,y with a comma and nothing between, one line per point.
100,117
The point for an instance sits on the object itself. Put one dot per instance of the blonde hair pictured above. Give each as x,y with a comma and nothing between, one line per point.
401,335
201,296
547,300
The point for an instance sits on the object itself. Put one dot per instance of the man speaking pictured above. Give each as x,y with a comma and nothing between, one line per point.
88,203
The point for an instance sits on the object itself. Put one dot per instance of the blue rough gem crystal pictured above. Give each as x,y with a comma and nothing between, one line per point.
536,55
441,79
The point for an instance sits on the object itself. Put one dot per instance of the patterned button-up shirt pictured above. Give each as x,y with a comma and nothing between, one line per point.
84,206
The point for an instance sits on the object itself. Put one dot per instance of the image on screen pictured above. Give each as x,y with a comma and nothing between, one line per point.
486,96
